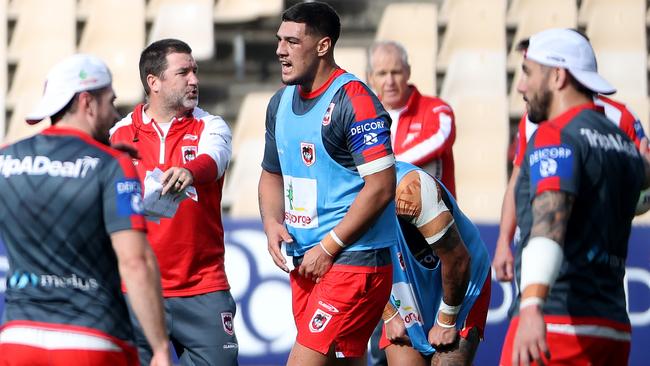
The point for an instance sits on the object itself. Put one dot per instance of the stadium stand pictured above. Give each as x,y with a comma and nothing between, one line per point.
3,66
37,43
475,87
240,192
477,25
115,32
172,19
468,43
353,59
411,25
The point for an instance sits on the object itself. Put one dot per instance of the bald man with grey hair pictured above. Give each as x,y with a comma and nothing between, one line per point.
423,130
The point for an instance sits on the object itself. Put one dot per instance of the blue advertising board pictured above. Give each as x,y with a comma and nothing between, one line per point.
264,323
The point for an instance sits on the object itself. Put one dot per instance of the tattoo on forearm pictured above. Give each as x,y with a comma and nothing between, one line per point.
455,272
551,212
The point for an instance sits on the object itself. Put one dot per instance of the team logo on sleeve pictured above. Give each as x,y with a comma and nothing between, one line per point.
308,153
128,198
319,321
226,320
551,161
327,118
189,153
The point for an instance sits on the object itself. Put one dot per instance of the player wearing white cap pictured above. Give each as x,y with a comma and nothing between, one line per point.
576,196
71,218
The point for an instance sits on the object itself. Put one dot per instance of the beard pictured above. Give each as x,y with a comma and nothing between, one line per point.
539,105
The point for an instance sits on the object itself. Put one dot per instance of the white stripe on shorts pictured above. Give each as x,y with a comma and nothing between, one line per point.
55,339
589,330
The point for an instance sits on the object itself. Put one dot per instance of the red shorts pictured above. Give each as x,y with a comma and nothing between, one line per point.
475,318
342,309
572,349
25,343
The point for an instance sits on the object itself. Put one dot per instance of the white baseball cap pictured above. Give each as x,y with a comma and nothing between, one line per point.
569,49
74,74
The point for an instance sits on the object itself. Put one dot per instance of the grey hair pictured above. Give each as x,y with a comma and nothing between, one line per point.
385,44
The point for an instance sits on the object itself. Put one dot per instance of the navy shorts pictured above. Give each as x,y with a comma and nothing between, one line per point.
201,329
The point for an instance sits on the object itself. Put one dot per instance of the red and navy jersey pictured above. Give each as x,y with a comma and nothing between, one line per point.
584,155
618,113
61,196
356,128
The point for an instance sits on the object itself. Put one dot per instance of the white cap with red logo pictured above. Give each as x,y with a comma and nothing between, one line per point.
569,49
74,74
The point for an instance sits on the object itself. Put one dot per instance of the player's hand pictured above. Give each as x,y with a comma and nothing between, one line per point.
276,234
396,331
440,337
315,264
176,179
530,339
161,357
503,261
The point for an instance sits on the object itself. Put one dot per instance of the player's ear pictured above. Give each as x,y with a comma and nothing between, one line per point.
324,46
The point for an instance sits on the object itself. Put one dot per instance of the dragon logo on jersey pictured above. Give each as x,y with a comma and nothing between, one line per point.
226,320
319,321
308,152
189,153
327,118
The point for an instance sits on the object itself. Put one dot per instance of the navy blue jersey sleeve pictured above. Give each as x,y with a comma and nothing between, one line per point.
122,196
554,159
362,130
271,161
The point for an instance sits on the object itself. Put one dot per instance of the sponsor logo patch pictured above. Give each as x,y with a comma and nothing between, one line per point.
551,161
308,153
328,307
128,198
40,165
226,320
189,153
300,196
319,321
190,137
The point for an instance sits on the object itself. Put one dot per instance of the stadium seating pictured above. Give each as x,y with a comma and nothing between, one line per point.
38,43
533,16
172,19
411,25
475,87
3,66
239,11
18,128
115,32
240,192
250,120
352,59
473,25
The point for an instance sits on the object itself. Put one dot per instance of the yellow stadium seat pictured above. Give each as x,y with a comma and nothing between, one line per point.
536,15
352,59
414,26
115,32
251,119
475,87
18,128
473,25
240,192
38,43
172,19
241,11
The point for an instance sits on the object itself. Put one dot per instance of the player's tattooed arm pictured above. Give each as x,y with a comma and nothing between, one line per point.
551,212
455,264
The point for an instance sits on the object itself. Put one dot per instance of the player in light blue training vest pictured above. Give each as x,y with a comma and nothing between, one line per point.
326,191
441,277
